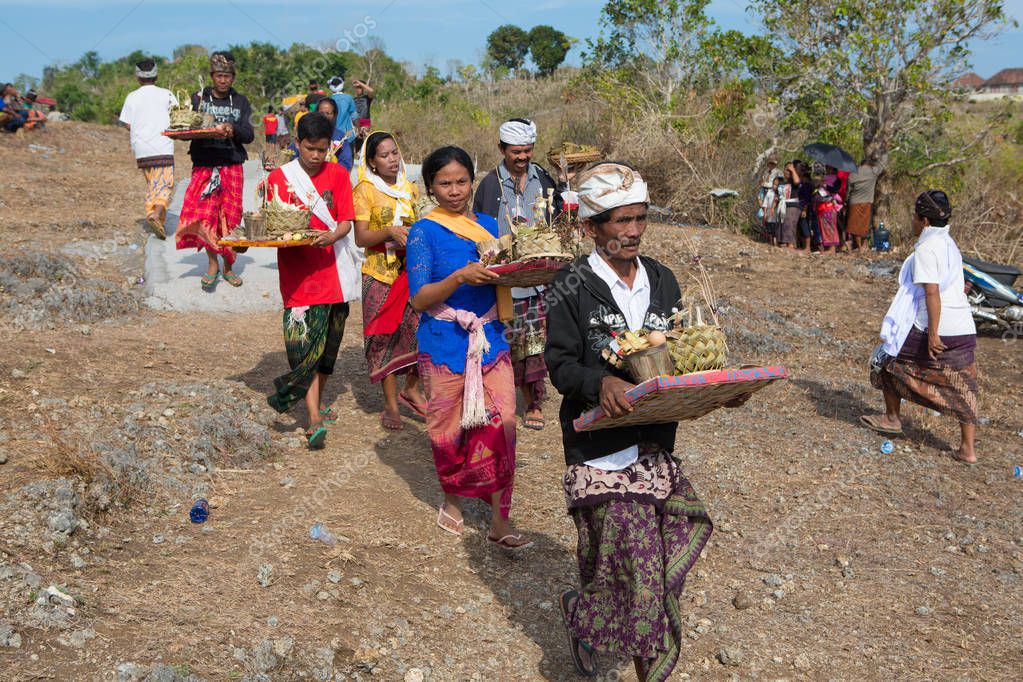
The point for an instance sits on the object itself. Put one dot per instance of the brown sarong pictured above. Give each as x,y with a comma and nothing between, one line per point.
858,222
947,384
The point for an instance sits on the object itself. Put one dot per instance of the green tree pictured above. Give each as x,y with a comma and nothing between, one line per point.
507,47
886,65
657,44
548,47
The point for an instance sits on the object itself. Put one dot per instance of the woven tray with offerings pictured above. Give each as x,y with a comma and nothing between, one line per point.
572,154
279,224
531,254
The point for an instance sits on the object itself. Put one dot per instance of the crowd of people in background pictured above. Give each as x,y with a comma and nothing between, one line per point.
827,212
25,112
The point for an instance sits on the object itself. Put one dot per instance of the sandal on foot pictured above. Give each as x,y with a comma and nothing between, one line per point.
317,439
418,408
535,423
957,455
329,415
873,423
208,281
574,643
232,279
448,522
155,227
391,423
510,542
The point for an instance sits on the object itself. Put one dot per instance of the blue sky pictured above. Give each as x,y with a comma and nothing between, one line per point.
422,32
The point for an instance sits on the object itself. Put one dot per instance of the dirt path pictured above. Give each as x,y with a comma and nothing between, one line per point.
829,560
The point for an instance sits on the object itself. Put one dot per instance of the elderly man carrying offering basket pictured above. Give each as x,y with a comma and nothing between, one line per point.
509,194
641,526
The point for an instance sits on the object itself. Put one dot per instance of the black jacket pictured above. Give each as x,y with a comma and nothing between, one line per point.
488,194
580,313
233,109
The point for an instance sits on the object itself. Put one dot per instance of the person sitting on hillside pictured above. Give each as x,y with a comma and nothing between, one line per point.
14,112
35,119
508,193
146,114
314,284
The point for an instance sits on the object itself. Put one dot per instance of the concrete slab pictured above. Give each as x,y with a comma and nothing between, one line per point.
172,276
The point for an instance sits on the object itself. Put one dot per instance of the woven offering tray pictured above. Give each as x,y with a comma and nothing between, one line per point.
528,273
554,156
678,398
198,134
275,243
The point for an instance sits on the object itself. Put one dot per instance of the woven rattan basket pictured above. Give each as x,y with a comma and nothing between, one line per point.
183,118
281,221
539,246
574,158
697,348
647,364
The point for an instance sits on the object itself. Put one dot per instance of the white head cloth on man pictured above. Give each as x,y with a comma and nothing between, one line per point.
518,132
609,185
336,84
144,73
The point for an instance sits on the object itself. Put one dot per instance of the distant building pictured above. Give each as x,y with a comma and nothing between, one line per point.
1005,82
968,82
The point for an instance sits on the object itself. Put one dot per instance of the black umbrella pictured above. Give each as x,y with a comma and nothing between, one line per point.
830,155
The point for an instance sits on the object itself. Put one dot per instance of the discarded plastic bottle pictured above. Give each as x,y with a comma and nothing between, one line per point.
1017,472
882,239
318,532
887,447
200,511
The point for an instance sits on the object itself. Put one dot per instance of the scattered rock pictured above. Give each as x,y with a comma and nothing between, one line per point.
3,457
158,539
18,374
287,482
334,576
924,611
8,637
773,580
778,594
414,675
731,656
264,576
742,601
77,639
802,662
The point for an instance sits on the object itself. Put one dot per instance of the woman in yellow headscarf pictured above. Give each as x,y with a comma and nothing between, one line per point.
384,210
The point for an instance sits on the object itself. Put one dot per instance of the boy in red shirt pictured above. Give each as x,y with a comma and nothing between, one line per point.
314,279
270,126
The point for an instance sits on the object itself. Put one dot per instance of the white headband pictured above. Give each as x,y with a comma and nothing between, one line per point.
336,84
607,186
517,132
139,73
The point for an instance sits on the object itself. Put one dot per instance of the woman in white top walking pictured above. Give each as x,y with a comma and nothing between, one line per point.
929,336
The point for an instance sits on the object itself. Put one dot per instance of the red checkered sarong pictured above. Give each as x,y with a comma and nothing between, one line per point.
203,221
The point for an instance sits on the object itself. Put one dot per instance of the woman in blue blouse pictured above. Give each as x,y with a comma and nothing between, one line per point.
463,356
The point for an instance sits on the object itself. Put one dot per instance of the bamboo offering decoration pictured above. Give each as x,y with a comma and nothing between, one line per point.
285,221
696,345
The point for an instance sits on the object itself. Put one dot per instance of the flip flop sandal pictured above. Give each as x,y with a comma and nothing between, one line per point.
391,423
870,422
154,227
232,279
574,642
418,409
535,423
209,283
317,439
329,415
508,543
453,525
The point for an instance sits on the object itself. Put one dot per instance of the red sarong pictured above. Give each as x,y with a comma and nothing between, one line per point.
475,462
204,221
389,317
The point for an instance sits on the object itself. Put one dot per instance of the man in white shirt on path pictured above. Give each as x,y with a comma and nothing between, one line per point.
146,114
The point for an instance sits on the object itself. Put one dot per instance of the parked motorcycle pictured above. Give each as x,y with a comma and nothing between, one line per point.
992,298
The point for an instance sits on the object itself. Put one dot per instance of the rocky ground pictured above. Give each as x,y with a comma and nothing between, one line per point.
830,559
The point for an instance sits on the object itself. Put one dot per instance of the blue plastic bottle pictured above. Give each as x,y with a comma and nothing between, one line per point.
321,534
887,447
200,511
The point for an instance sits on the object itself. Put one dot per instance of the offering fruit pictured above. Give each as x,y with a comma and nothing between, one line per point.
657,338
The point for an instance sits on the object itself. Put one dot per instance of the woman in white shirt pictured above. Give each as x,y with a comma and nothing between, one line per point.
929,334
